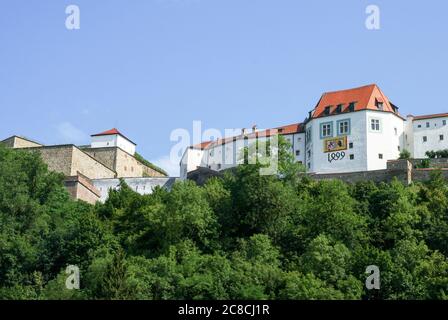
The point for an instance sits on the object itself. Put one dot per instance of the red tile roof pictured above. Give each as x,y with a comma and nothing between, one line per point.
107,133
284,130
291,128
430,116
110,132
365,98
202,145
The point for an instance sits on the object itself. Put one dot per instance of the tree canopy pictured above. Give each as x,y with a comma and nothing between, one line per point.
240,236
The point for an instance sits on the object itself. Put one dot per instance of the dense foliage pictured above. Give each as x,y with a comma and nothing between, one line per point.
437,154
244,236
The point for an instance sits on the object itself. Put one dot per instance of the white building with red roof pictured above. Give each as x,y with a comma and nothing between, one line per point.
351,130
426,133
113,138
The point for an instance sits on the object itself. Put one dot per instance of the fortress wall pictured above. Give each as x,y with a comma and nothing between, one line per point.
58,158
88,166
385,175
425,174
106,156
127,166
149,172
81,188
18,142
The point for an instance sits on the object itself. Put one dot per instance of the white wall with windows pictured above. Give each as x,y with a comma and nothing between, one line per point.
113,140
428,135
347,142
297,141
191,159
351,157
385,138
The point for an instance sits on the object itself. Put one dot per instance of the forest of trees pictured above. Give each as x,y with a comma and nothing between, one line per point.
243,236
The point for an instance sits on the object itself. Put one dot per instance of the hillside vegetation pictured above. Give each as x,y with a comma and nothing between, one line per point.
244,236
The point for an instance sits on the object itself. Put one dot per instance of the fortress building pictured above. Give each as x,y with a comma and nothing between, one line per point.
354,130
91,171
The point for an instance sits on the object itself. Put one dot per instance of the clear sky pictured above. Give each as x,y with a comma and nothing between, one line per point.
150,66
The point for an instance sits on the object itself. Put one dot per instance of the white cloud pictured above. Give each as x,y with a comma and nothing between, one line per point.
68,133
166,164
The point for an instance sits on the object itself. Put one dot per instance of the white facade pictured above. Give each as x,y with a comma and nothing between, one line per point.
427,134
228,152
191,160
372,138
348,131
113,140
140,185
297,141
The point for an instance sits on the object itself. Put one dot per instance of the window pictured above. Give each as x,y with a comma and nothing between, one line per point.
380,106
375,124
425,138
380,155
308,135
399,148
427,124
419,126
441,137
309,165
396,131
339,108
326,130
309,153
327,110
443,122
343,127
351,106
350,145
352,156
297,152
125,168
219,166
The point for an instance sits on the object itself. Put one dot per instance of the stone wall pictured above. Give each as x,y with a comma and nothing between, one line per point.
374,175
88,166
58,158
19,142
123,163
106,156
433,163
81,188
149,172
399,169
127,166
425,174
69,160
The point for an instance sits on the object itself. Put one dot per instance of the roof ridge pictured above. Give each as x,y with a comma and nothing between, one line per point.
350,89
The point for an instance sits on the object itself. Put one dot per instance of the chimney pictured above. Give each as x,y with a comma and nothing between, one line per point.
254,128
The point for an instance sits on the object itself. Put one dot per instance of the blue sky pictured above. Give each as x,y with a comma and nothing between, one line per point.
150,66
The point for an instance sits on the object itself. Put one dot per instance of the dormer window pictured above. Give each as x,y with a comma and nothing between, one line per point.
339,108
327,110
351,106
379,103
